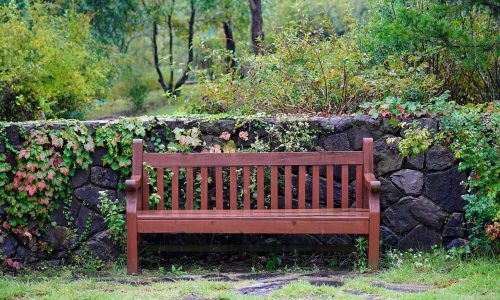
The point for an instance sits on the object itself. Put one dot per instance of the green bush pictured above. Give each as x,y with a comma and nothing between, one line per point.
50,65
137,94
456,40
308,72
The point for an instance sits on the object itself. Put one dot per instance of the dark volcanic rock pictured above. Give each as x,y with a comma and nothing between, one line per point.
439,158
80,178
456,243
444,189
398,217
415,162
89,222
13,136
409,181
57,237
388,128
104,177
101,246
337,192
337,142
420,238
389,193
340,124
218,126
97,156
89,194
386,157
336,239
388,237
356,136
8,244
427,212
455,226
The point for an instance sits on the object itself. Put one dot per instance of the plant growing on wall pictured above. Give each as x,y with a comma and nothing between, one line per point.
44,165
472,132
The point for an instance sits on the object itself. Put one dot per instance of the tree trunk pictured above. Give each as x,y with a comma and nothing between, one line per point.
257,31
171,47
230,45
161,80
185,74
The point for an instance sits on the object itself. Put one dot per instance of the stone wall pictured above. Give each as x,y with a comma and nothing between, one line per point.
420,200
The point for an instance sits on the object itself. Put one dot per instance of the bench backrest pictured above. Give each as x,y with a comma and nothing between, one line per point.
253,180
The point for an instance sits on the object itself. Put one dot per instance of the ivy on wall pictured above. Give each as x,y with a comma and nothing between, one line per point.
43,166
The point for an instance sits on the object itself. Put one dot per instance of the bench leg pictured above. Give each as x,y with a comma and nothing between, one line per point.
374,243
132,248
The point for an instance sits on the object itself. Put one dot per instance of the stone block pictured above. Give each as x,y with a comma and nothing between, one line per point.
104,177
386,157
398,217
439,158
421,238
409,181
444,189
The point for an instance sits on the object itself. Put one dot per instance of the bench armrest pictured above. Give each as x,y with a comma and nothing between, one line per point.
371,183
133,183
372,187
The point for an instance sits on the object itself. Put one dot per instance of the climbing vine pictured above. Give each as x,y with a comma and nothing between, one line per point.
117,138
44,164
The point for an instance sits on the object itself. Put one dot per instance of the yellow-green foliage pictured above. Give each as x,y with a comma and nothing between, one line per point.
309,72
49,63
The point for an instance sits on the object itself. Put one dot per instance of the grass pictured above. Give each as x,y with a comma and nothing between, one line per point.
154,105
450,276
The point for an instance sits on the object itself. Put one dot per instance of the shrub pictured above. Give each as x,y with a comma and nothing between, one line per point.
137,94
308,72
457,41
50,65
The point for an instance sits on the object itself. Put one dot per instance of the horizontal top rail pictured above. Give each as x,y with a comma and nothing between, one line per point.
166,160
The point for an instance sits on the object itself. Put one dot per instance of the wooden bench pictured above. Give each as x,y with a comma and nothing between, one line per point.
252,212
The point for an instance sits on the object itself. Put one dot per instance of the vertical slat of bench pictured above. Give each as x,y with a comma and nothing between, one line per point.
260,187
160,181
219,192
189,189
175,188
246,187
302,187
274,187
315,189
233,192
145,189
204,188
345,186
288,187
330,185
359,186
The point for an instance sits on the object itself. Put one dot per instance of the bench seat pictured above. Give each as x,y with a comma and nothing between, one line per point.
293,221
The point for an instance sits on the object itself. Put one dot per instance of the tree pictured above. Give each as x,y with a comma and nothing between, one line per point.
114,22
158,11
257,23
50,65
457,41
